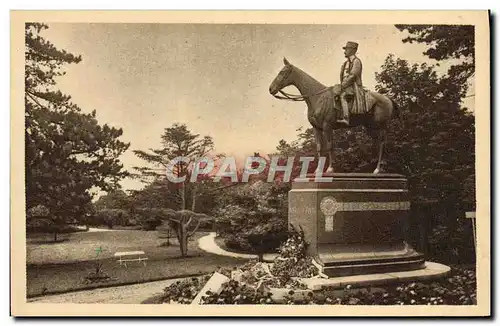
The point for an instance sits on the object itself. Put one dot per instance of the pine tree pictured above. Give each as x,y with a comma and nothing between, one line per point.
67,152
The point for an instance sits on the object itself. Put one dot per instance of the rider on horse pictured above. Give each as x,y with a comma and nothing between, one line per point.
352,96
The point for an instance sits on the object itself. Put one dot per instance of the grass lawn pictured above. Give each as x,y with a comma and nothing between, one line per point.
61,267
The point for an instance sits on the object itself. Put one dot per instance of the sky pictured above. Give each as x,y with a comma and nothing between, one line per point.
214,78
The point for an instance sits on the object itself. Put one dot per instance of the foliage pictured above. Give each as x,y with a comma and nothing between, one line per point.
67,152
293,260
354,150
234,292
37,211
253,217
177,141
452,244
111,217
114,199
48,226
407,83
433,144
149,218
458,289
446,42
184,291
158,194
151,224
37,219
162,194
97,274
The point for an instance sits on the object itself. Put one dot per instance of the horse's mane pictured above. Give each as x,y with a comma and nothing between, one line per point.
305,74
326,100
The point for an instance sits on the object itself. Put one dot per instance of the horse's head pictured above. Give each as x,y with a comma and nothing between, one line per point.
283,79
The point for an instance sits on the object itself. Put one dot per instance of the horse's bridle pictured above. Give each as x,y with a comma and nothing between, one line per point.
293,97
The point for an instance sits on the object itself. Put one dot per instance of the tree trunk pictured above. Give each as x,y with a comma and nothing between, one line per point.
183,196
183,239
193,203
184,245
182,235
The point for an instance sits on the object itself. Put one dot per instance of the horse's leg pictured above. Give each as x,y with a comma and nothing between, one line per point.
381,139
318,137
328,137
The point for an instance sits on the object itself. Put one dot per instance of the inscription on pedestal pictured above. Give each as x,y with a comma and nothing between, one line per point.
329,206
329,223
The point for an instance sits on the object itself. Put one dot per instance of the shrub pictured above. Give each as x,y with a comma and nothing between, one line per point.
111,217
253,217
207,222
452,243
97,274
151,224
48,225
149,218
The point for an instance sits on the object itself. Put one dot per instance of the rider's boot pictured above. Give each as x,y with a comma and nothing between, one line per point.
345,110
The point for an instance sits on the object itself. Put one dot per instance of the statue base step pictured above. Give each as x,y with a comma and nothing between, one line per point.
336,260
430,271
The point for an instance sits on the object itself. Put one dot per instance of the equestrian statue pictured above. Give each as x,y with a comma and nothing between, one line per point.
343,105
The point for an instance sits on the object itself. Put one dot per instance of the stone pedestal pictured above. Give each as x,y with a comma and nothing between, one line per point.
355,223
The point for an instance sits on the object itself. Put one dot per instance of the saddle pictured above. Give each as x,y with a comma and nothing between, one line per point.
363,95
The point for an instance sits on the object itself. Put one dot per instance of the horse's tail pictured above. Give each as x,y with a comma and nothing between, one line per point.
396,110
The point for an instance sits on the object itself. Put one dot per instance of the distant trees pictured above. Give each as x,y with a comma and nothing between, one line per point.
433,142
115,198
67,151
436,133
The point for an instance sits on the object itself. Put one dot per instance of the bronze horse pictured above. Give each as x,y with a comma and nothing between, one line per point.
323,110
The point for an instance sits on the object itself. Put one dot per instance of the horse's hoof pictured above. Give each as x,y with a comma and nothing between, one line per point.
377,171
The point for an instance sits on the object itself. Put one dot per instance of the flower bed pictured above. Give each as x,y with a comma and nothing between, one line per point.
279,283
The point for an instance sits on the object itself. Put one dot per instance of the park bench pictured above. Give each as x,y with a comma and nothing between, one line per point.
472,216
128,256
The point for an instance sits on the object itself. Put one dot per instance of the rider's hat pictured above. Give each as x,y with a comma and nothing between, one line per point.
352,45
